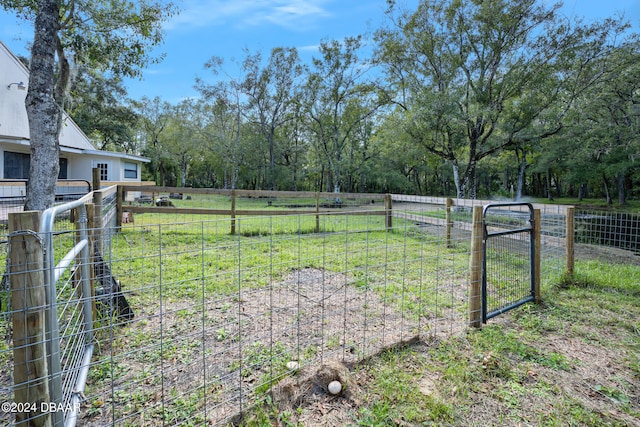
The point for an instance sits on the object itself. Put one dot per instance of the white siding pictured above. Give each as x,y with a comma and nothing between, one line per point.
75,146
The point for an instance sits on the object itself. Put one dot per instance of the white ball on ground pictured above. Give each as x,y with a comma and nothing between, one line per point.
335,387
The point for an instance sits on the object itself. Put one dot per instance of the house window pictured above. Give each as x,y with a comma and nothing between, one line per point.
131,170
16,165
64,163
104,171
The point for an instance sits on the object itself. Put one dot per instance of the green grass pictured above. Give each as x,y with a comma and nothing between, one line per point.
519,368
218,263
572,360
192,270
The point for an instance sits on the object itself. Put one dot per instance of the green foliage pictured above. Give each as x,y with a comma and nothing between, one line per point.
96,103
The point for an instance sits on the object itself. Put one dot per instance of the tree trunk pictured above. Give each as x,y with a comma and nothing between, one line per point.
234,180
521,169
473,188
460,190
607,192
416,177
272,163
44,113
549,192
183,173
622,199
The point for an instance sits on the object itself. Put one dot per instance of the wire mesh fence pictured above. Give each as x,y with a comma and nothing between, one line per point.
607,235
221,318
213,320
44,345
13,194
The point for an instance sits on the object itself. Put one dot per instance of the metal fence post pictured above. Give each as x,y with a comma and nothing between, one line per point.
537,239
570,237
475,270
317,212
448,205
388,210
233,212
28,299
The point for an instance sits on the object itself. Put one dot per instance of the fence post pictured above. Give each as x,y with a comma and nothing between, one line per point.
448,205
570,236
95,179
28,299
233,212
388,211
119,203
317,212
537,236
475,270
97,217
91,228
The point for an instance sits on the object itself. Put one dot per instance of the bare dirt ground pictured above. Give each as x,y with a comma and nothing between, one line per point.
332,329
312,318
595,370
606,254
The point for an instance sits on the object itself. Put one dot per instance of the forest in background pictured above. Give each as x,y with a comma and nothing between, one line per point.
499,98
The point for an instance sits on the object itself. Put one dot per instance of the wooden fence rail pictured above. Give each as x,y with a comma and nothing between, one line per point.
233,195
449,205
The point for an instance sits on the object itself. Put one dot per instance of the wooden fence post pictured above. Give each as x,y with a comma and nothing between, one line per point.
119,203
570,236
28,299
475,270
537,235
233,212
97,217
95,179
317,212
448,205
388,211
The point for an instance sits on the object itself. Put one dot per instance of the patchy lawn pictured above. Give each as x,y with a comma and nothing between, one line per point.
572,360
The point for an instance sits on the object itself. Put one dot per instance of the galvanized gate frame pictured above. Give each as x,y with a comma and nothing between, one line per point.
487,234
52,274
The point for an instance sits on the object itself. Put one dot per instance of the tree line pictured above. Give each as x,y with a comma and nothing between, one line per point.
499,98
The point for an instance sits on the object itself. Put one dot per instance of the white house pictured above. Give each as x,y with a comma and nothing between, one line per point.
78,156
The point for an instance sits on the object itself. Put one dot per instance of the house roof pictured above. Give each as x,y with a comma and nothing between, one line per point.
14,123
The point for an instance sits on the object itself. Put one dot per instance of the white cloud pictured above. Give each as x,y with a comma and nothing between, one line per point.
292,14
309,48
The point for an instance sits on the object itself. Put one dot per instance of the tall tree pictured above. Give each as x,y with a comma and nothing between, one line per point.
475,77
182,136
271,92
222,127
108,35
266,94
606,128
97,103
338,99
154,115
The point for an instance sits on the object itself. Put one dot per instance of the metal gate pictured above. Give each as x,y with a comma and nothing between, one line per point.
508,252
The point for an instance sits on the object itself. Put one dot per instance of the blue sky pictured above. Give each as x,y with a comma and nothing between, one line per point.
225,27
